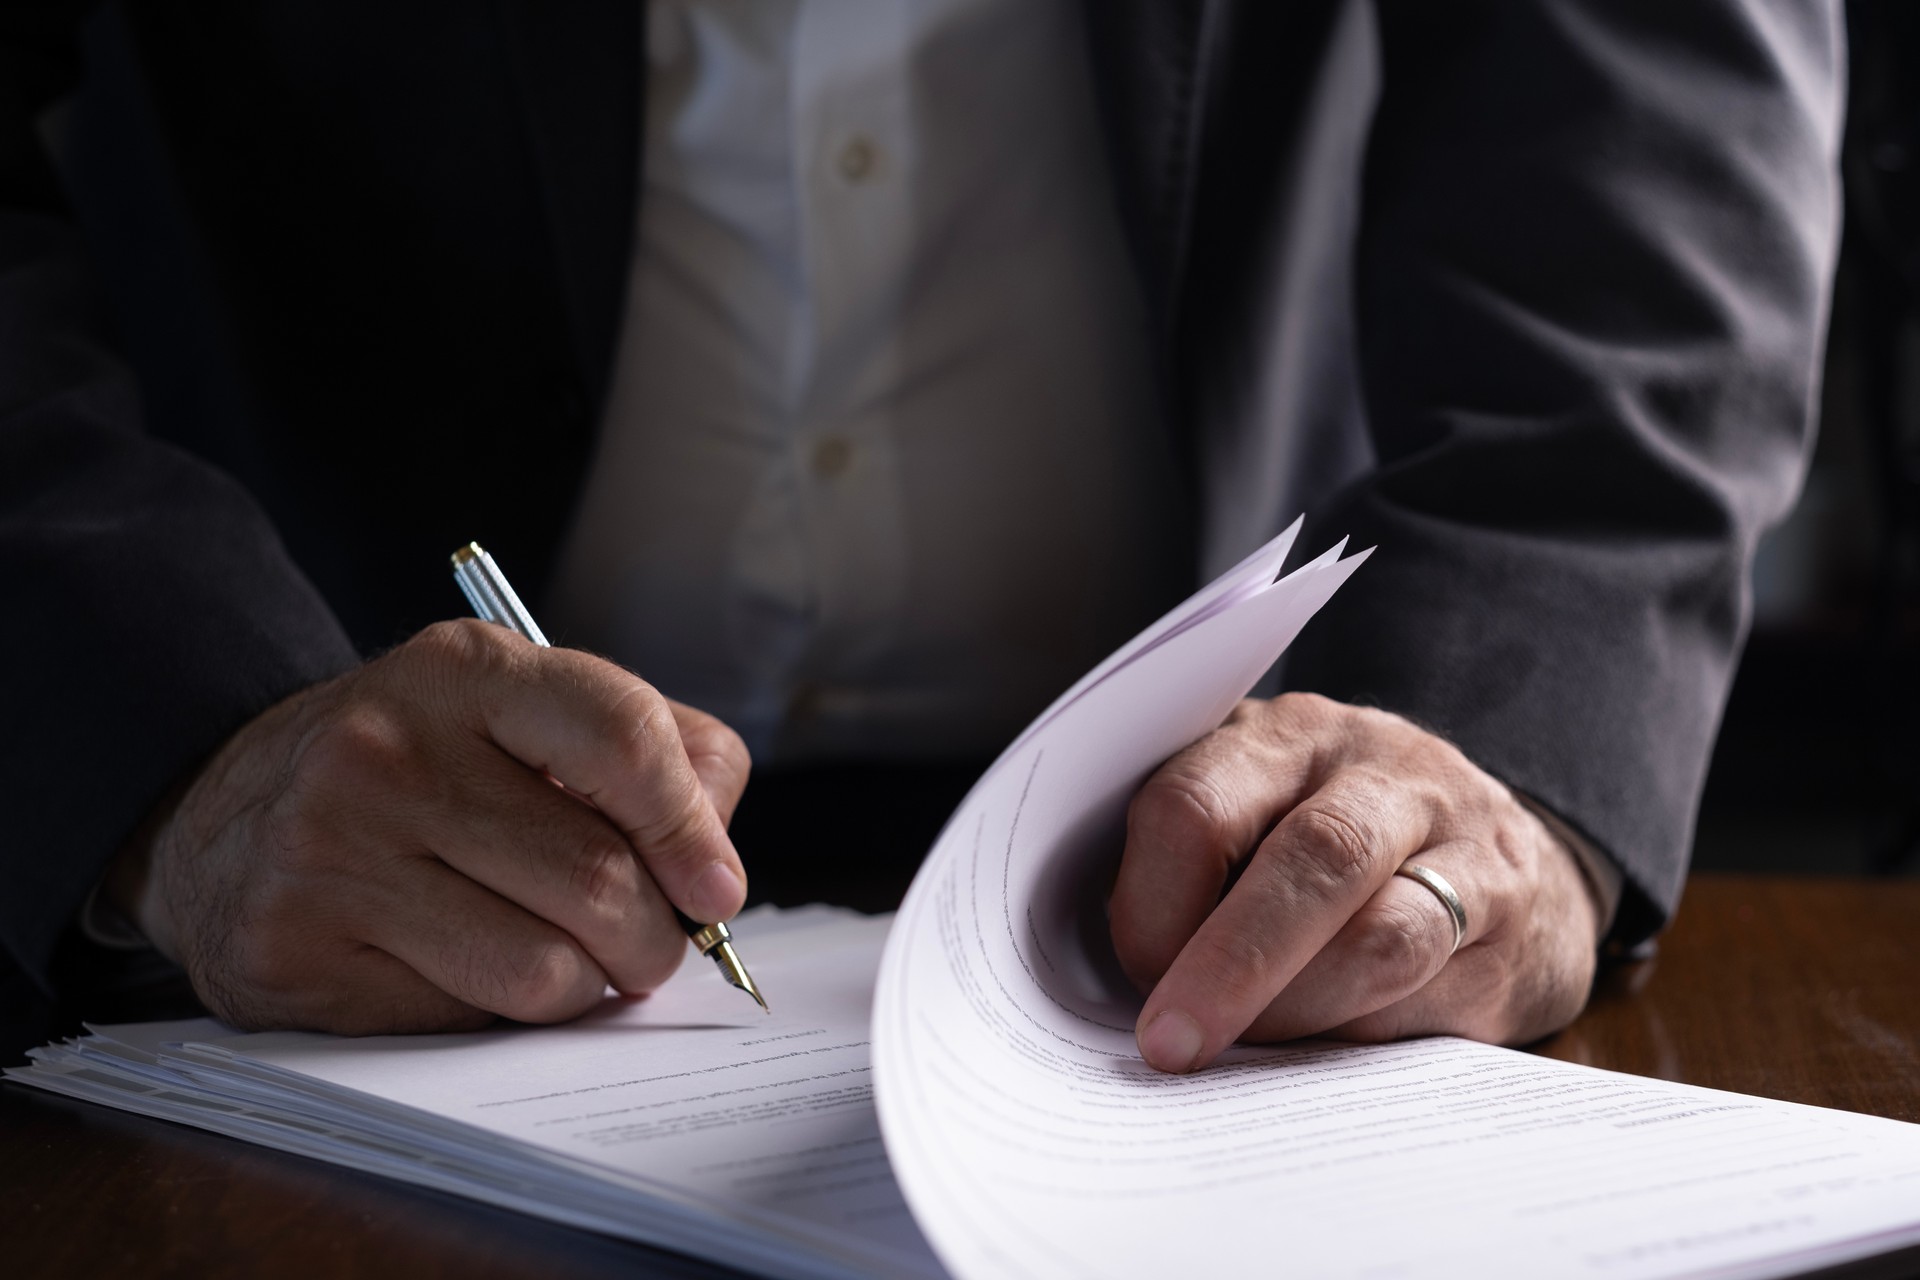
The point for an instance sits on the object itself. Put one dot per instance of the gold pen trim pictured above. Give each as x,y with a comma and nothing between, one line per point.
715,941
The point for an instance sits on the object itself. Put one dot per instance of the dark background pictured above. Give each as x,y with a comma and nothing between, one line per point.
1818,764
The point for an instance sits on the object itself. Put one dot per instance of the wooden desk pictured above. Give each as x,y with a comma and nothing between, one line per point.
1797,989
1801,989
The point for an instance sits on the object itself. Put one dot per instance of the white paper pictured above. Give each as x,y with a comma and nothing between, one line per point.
1031,1139
1014,1115
688,1119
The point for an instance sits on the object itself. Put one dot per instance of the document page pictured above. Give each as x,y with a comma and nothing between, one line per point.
688,1119
984,1110
686,1095
1031,1140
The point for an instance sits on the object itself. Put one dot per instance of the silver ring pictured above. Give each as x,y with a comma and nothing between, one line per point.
1443,891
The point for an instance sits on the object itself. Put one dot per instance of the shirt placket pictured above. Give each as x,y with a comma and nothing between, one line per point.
852,155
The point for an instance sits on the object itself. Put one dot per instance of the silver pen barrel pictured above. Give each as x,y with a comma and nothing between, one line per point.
491,595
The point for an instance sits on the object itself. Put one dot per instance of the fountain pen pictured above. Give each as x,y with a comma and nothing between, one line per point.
494,600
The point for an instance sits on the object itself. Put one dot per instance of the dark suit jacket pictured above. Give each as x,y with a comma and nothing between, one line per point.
1530,293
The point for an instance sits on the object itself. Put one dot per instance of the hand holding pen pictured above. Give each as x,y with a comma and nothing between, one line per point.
386,851
494,600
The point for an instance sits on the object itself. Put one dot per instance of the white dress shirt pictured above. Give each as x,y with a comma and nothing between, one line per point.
880,470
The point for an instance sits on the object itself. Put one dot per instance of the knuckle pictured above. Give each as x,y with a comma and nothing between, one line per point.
1333,840
1235,964
1378,722
458,641
1310,709
1179,809
679,832
643,733
529,983
360,747
604,875
296,833
1522,843
712,739
1369,777
473,976
547,981
635,725
1355,728
1300,702
1395,946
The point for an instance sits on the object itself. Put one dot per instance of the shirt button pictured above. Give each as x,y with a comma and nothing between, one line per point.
858,159
831,457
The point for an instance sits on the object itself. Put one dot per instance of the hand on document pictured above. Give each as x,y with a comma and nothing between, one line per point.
1315,804
959,1094
388,851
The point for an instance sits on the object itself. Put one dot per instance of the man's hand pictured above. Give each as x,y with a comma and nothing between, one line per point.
389,851
1316,804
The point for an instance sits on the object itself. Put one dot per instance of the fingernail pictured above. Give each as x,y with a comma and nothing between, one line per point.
1172,1041
716,894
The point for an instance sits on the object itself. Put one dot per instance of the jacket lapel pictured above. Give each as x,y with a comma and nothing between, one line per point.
1150,62
577,68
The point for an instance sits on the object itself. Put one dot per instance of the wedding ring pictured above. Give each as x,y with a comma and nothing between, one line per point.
1443,891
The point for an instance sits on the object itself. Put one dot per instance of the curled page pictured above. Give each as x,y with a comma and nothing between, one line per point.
1017,1131
1030,1139
998,975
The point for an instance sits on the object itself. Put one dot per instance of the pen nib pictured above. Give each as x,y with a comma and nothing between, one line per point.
733,971
716,941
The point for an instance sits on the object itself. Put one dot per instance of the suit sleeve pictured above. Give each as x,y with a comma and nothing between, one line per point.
1593,272
149,608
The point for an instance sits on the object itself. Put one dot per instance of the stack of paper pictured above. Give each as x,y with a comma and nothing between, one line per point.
683,1120
986,1114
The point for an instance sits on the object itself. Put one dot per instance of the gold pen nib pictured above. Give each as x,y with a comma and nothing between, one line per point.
733,971
716,941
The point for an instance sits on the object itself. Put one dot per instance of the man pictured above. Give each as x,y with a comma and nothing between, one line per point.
934,314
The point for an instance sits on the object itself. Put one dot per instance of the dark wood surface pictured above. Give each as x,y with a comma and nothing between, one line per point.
1794,988
1806,990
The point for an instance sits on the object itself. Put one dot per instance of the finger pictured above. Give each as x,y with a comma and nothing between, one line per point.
1393,946
718,756
1306,880
1469,997
1528,973
481,949
531,843
344,987
371,993
1189,825
609,736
